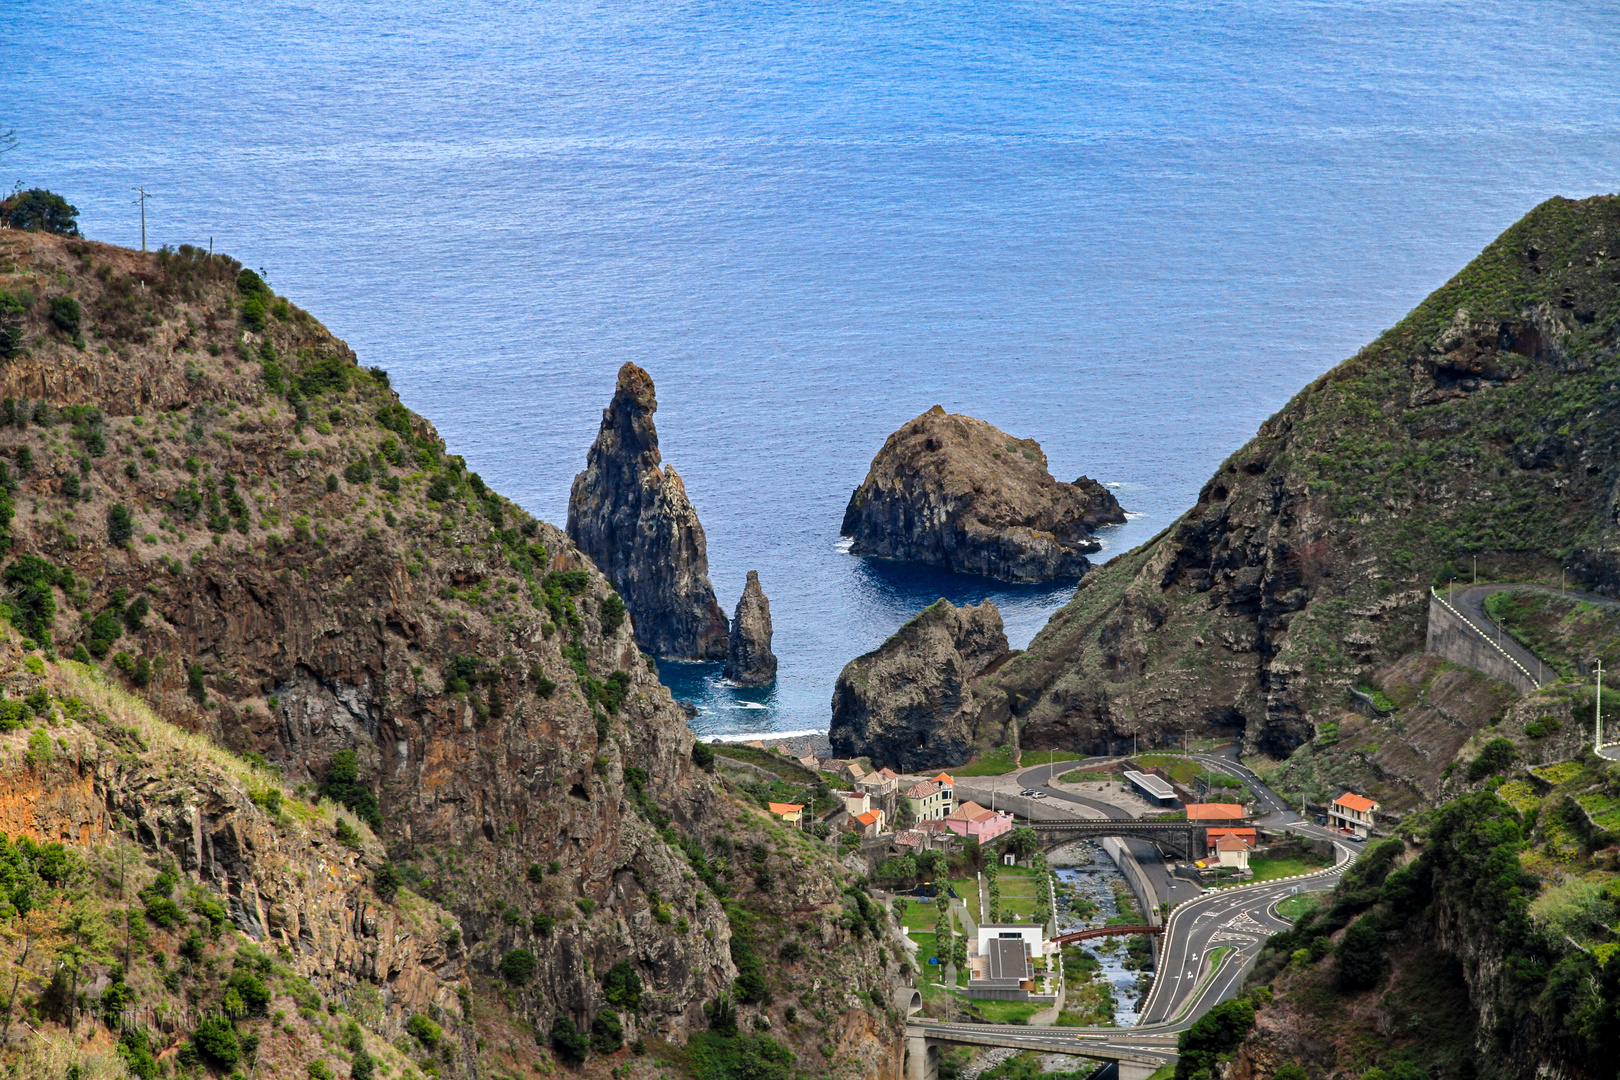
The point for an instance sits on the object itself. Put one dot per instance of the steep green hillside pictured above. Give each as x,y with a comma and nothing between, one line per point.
1487,948
1483,425
207,499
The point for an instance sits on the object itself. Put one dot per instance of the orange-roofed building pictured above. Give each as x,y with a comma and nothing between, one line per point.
1353,813
1232,852
1248,836
869,824
1214,811
790,812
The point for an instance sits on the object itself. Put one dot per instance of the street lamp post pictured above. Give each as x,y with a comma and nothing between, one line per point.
1598,734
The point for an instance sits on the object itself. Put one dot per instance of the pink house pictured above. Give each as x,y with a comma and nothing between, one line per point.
971,819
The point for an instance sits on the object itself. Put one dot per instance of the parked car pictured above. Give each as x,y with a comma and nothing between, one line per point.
1037,794
1027,792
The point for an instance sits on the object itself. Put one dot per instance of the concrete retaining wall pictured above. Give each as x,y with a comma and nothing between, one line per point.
1454,638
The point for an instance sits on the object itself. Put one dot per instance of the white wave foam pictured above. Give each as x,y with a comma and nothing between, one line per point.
750,736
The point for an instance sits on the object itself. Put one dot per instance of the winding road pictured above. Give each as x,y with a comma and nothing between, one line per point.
1211,939
1469,601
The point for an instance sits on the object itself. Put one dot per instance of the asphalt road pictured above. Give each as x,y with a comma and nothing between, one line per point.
1170,888
1470,603
1240,918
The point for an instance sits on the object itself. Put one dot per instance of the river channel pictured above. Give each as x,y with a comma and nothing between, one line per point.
1089,872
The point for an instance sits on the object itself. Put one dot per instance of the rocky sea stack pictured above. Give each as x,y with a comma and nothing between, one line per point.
955,492
749,660
909,704
635,522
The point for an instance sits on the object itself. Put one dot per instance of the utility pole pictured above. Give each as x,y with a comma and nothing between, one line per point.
142,200
1476,570
1598,744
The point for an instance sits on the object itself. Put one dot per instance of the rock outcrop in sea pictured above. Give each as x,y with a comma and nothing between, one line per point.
910,703
749,660
955,492
632,517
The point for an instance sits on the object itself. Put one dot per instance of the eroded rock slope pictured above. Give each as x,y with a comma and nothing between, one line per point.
208,499
912,704
1483,424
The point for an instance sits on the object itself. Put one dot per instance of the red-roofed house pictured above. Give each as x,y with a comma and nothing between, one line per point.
1248,836
1214,812
1353,813
869,824
911,840
971,819
1232,852
856,802
790,812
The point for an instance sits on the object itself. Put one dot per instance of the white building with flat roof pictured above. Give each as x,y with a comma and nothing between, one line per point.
1152,788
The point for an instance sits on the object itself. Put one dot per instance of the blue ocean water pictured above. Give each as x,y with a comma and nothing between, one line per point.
1128,230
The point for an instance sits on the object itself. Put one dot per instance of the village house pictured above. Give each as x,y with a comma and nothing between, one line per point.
910,841
1214,813
868,824
929,801
974,821
1353,813
856,802
884,787
1231,852
789,812
1000,963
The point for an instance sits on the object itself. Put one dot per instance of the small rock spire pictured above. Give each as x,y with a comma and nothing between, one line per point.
749,659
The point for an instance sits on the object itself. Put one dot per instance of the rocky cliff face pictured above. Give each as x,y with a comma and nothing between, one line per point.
955,492
633,519
1482,424
749,659
260,872
912,704
213,505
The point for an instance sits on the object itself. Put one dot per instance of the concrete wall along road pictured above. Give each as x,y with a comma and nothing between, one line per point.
1454,638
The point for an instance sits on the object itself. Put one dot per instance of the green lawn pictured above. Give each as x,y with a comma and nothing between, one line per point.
1008,1012
1295,906
925,949
1271,869
1181,770
999,762
920,915
1090,776
968,890
1021,890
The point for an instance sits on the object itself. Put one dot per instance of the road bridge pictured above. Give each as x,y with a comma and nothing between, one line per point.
1186,839
1139,1054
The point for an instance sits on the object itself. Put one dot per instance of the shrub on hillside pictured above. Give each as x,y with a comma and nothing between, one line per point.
517,966
1495,757
40,209
12,311
568,1041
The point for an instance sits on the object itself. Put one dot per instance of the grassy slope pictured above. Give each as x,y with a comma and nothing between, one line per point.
1480,424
